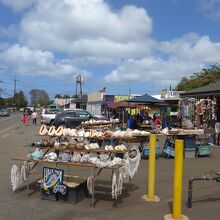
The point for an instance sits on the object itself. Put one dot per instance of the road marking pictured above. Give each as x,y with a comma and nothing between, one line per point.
9,118
6,135
13,126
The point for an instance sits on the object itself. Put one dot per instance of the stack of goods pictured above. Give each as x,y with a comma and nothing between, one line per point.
129,133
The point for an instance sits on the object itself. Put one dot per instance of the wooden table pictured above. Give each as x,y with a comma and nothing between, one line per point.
56,163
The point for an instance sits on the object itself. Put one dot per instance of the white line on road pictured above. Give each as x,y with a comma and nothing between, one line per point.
9,118
13,126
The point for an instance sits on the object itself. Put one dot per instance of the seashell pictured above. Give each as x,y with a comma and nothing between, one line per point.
66,131
43,130
59,131
81,133
51,131
87,134
72,133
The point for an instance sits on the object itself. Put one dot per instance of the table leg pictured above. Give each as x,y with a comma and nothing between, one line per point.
27,173
93,186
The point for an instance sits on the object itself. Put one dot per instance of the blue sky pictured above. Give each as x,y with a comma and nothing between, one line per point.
142,45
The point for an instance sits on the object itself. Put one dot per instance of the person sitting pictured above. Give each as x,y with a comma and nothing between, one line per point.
151,122
157,121
132,122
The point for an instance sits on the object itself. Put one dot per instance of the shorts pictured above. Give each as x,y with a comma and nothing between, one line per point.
217,127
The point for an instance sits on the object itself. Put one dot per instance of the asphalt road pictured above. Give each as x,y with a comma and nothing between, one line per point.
17,206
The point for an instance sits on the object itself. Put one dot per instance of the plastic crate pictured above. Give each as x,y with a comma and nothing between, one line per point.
203,149
146,151
76,189
189,153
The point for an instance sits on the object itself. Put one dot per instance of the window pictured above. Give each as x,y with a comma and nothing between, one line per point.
83,114
71,114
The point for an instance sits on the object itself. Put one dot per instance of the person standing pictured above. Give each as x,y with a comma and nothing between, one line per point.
25,117
34,117
217,128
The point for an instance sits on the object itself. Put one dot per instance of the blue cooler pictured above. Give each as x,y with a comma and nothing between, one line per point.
146,151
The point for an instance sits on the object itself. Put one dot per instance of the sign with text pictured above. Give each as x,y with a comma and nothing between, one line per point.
53,179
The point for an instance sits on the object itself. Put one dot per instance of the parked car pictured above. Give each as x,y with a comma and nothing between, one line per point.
73,118
21,110
4,112
49,116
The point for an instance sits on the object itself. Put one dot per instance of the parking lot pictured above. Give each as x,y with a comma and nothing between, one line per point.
16,205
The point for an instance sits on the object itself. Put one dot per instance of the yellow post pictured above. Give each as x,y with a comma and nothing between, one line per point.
178,179
150,197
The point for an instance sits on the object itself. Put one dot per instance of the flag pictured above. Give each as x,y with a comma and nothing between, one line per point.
103,89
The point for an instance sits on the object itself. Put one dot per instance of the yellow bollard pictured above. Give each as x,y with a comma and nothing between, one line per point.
178,179
150,197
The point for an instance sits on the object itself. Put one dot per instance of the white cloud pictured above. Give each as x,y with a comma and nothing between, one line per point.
87,28
211,8
24,61
153,70
181,57
192,47
18,5
86,33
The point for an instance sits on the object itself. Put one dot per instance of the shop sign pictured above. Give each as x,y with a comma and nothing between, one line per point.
53,179
163,94
119,98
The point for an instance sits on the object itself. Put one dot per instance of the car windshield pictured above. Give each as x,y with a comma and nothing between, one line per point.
51,111
3,110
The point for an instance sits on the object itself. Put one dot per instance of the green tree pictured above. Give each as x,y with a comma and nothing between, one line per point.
203,78
20,99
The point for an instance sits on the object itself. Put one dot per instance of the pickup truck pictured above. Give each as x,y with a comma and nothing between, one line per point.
49,116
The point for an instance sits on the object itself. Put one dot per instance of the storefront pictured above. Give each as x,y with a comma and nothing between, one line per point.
198,107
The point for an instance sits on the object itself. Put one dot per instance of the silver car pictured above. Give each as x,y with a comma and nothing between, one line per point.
49,116
4,113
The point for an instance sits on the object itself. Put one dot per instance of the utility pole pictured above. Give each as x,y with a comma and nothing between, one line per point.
79,82
129,96
1,68
1,89
15,82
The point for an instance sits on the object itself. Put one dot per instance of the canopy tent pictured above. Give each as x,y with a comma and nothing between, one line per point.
146,99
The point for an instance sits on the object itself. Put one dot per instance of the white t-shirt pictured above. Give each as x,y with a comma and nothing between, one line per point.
34,115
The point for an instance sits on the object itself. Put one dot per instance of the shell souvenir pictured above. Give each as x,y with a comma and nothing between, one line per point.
66,131
87,134
81,133
51,131
43,130
59,131
72,133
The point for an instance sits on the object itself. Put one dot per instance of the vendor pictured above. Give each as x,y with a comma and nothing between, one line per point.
132,122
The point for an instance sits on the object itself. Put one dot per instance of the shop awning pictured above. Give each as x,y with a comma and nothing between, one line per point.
123,104
210,89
